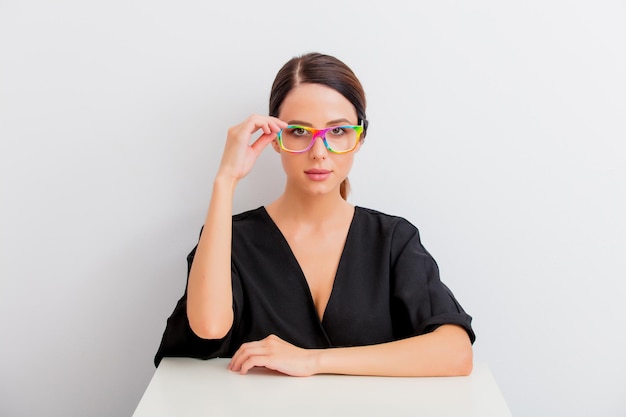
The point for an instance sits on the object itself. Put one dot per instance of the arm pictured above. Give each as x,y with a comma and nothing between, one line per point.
209,291
447,351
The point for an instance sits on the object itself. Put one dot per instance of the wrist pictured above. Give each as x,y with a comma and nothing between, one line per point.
225,182
320,361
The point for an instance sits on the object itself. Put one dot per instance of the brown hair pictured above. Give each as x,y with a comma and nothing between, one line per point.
316,68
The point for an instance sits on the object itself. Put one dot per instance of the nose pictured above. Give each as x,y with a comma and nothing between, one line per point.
318,150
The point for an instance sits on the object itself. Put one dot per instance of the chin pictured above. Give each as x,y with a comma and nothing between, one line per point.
320,189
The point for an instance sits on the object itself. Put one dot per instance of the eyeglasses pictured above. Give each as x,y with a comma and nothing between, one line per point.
337,139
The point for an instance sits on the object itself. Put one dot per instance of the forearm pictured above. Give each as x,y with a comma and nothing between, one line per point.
445,352
209,295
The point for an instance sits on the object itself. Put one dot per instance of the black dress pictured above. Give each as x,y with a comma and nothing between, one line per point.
386,288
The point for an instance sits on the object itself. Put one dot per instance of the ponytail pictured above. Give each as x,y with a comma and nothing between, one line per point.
344,189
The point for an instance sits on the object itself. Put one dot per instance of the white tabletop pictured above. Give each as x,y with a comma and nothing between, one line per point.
190,387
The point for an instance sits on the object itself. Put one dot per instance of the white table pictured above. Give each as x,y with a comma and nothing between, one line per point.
189,387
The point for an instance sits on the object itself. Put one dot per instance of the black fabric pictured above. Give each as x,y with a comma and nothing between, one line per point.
387,287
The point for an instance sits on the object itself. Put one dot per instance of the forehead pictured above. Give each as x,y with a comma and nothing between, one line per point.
317,104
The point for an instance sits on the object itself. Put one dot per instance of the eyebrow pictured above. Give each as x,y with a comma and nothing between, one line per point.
331,123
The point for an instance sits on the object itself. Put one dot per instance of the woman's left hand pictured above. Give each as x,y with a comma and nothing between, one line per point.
274,353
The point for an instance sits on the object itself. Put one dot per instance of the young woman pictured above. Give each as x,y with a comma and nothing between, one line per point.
310,283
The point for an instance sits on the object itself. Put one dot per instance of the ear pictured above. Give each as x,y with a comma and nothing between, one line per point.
275,145
358,146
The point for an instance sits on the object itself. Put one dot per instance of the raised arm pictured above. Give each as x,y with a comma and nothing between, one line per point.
209,292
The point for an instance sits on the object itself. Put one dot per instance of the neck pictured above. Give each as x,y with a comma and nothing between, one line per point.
309,208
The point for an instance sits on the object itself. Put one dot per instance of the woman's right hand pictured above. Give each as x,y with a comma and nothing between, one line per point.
239,154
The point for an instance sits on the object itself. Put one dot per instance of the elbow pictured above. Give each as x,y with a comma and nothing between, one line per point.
211,329
464,363
458,355
210,332
462,358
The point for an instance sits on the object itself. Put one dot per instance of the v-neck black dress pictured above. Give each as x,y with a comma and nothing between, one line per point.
386,288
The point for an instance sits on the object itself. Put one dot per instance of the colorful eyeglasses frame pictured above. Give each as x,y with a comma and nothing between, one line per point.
337,139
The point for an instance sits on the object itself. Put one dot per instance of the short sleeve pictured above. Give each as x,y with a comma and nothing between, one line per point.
420,301
179,340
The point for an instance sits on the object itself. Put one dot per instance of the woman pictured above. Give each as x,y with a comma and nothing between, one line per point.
310,283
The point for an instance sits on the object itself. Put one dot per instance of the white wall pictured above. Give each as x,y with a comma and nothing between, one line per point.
497,128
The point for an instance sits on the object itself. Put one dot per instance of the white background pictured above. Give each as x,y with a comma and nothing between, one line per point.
498,128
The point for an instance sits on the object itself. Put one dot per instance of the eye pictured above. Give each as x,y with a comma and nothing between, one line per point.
337,131
298,132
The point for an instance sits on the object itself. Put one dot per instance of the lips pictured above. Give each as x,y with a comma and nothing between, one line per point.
316,174
317,171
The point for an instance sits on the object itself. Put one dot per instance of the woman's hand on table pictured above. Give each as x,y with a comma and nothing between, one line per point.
276,354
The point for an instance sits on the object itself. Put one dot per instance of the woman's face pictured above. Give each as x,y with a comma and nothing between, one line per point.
316,171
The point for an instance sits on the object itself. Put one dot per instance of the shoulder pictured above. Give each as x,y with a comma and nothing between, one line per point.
252,223
396,230
385,222
253,215
247,219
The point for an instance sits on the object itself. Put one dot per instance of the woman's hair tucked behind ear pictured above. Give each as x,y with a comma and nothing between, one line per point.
316,68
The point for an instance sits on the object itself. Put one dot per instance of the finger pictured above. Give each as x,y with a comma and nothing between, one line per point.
263,347
244,353
252,362
265,361
274,127
262,141
261,122
267,125
278,124
236,357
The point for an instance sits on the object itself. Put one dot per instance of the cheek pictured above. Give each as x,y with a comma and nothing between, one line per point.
290,164
345,163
